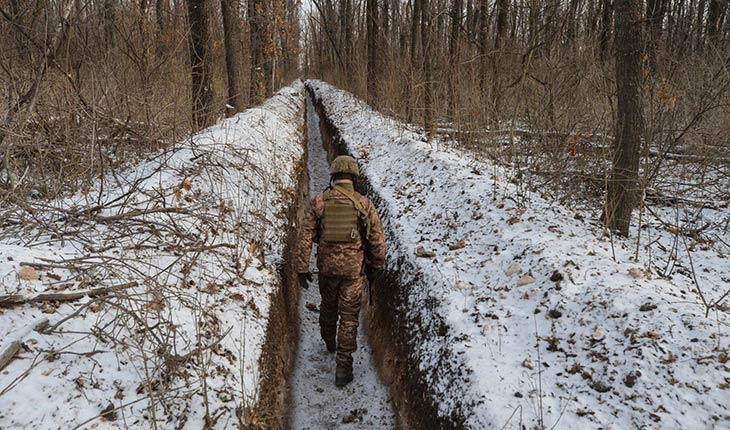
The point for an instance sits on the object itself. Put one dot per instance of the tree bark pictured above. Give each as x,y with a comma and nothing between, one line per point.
483,51
257,28
622,186
655,11
713,18
427,46
605,35
200,63
415,27
372,47
502,15
109,22
454,56
234,59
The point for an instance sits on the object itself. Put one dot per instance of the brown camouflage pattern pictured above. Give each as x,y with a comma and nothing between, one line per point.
340,260
340,297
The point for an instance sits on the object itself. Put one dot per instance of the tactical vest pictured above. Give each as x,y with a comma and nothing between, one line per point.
340,223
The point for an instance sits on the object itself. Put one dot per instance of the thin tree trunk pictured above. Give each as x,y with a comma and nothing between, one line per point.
234,58
161,11
484,52
502,15
605,36
713,18
372,48
200,63
257,28
415,26
655,11
109,23
454,56
427,46
622,187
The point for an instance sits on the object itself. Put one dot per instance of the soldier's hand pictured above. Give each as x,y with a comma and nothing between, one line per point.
304,279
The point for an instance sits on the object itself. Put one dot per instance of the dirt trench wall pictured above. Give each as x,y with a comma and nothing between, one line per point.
280,345
390,332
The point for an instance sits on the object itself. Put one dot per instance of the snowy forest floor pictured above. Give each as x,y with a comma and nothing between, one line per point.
316,403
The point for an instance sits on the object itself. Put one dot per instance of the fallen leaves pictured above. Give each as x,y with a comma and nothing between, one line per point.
458,245
422,252
513,269
631,377
525,280
27,273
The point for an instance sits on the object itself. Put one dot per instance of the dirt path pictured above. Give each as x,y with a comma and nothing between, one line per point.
316,403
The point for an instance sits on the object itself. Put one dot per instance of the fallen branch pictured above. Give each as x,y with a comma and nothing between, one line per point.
8,353
16,299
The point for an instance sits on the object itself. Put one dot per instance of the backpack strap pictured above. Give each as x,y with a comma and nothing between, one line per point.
363,214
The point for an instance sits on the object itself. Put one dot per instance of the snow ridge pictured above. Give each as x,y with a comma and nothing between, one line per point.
201,228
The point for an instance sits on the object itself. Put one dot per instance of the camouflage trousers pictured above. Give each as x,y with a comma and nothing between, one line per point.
341,298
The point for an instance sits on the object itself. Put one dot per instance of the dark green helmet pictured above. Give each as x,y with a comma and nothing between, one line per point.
344,164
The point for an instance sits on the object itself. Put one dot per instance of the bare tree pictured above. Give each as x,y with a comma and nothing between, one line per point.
257,24
200,63
622,186
456,8
372,48
234,59
428,84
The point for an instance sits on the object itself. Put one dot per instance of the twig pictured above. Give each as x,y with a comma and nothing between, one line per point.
15,299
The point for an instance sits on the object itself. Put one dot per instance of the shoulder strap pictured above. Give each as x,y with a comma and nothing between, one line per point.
363,214
352,198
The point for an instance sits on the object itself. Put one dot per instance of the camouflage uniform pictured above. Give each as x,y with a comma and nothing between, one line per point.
341,271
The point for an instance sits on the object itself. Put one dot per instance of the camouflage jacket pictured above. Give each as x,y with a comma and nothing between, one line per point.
344,260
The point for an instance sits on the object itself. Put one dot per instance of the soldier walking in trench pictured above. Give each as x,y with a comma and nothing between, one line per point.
351,247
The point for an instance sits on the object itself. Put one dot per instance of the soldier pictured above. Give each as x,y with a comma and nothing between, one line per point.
351,244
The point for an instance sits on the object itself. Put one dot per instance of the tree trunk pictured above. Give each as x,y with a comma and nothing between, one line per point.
655,11
161,11
502,15
427,46
234,59
257,28
622,187
605,36
454,56
109,22
200,63
713,18
411,87
484,52
372,47
700,29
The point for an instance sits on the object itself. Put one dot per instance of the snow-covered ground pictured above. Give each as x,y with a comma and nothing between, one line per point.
201,228
316,403
521,316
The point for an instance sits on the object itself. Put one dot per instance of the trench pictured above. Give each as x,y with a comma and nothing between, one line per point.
392,333
315,403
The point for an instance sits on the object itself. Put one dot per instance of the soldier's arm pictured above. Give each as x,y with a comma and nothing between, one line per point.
376,245
307,235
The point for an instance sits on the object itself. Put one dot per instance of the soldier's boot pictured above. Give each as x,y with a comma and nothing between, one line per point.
331,345
343,376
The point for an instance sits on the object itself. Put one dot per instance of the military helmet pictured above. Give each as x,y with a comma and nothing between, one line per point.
344,164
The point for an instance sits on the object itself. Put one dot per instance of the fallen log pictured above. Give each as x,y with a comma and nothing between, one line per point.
8,352
17,299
